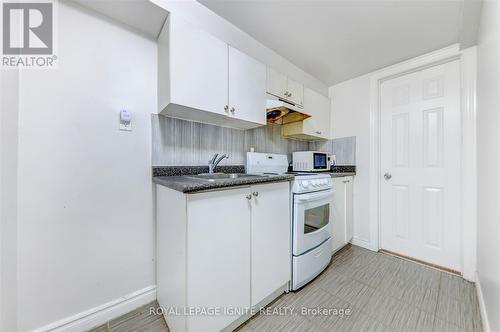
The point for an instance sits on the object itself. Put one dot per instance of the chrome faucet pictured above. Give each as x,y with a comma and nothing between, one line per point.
212,163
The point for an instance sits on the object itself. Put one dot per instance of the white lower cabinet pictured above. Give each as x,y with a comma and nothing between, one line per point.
342,226
270,239
219,251
218,261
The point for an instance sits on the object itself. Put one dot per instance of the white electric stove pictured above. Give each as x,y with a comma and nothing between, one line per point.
311,211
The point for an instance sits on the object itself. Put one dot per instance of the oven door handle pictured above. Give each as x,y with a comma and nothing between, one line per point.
314,196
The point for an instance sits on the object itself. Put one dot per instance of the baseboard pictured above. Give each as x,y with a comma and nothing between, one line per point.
361,243
101,314
482,306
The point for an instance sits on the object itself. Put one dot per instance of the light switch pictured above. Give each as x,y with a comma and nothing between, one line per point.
125,120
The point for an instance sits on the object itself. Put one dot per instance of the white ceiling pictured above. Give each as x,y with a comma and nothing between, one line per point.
338,40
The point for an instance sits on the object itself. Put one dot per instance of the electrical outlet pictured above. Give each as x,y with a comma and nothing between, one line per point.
126,126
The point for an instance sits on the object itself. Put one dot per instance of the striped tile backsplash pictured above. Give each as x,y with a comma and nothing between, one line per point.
180,142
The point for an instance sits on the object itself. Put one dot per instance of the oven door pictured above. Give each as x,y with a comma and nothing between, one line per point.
312,215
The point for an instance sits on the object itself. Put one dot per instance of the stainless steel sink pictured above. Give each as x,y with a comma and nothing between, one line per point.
221,176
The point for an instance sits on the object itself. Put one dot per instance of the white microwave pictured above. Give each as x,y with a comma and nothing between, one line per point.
311,161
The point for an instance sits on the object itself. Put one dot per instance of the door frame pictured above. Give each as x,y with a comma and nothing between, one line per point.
467,64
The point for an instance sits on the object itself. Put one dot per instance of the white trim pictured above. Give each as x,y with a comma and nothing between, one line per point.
101,314
361,242
469,163
468,150
482,306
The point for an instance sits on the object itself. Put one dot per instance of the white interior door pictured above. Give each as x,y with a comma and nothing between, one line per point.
420,165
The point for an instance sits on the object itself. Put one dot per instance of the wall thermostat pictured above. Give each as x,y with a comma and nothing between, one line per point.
125,120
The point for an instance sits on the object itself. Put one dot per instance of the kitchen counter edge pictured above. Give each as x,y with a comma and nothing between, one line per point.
190,186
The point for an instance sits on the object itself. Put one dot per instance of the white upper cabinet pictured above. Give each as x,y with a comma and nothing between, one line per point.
318,106
295,92
283,87
247,87
276,83
317,127
192,68
199,76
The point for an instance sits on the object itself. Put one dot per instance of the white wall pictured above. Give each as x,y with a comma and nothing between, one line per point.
85,224
488,156
351,117
204,18
9,110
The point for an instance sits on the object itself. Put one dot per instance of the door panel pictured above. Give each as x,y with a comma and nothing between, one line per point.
215,266
276,83
198,68
420,149
295,92
318,107
247,87
339,218
270,239
349,213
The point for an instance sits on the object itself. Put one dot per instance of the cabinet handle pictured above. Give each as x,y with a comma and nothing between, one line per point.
232,110
226,108
318,132
249,197
289,94
345,181
255,193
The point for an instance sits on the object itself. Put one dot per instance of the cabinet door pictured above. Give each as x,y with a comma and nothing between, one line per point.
349,214
339,214
318,107
198,68
247,87
276,83
295,92
270,239
218,250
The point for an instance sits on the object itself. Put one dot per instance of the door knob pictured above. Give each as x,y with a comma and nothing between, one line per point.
232,110
226,108
255,193
387,176
249,197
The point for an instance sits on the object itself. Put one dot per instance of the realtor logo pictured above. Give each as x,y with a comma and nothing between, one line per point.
27,28
28,34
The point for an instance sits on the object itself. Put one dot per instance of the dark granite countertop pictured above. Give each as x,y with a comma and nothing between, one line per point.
190,184
342,174
183,179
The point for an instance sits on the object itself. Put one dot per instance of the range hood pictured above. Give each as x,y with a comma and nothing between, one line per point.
283,111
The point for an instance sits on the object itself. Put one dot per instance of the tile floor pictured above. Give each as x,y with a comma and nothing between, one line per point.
359,291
